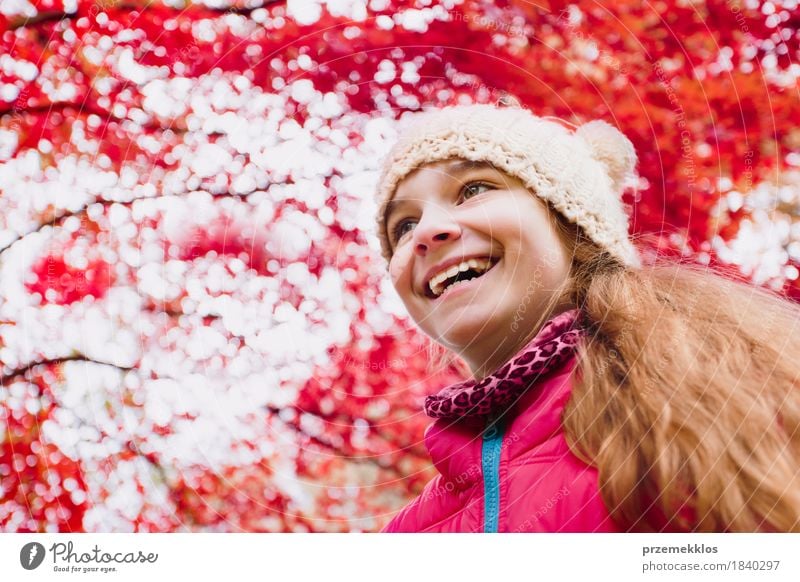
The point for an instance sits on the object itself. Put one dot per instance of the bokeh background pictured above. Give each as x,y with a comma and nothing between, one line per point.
197,331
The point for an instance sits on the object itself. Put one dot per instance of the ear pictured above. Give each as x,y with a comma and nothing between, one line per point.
610,147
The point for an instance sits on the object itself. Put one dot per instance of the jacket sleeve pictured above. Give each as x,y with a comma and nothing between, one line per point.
403,521
409,518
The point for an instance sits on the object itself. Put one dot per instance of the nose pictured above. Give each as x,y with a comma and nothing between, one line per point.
434,229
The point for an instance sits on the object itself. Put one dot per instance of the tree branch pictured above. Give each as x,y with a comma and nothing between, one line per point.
59,219
381,464
77,357
54,15
40,18
275,411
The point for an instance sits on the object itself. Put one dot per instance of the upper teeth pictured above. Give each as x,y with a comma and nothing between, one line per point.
436,282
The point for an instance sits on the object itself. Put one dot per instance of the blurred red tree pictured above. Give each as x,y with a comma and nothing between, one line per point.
197,333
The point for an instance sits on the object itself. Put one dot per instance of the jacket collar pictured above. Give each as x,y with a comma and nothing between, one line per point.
531,412
530,423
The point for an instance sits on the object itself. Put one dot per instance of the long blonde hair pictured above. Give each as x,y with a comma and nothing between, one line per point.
685,396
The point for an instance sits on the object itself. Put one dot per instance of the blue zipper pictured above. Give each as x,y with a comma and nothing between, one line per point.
490,464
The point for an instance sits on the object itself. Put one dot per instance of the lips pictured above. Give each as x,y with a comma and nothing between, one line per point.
430,295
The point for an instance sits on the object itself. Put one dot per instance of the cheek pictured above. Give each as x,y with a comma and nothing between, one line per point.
399,271
549,261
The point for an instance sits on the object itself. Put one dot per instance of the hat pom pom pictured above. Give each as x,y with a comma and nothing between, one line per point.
610,147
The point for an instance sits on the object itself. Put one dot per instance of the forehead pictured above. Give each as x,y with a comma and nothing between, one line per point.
445,169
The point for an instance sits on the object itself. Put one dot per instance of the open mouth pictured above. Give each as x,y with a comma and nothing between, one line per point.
469,271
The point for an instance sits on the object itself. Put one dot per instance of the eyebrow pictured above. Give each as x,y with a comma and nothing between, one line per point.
456,168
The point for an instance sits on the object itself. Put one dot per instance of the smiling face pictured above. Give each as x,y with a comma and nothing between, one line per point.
447,212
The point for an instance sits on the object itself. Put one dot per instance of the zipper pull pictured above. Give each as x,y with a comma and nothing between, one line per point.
492,427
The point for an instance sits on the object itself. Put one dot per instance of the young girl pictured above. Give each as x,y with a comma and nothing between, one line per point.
604,396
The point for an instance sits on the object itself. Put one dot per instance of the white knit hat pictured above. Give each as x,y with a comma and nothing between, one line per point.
580,173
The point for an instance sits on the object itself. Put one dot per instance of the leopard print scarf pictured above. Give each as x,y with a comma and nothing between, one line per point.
551,347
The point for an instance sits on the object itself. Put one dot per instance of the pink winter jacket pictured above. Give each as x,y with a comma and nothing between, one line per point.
518,476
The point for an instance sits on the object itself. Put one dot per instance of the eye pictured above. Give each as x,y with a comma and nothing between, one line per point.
400,230
469,190
474,187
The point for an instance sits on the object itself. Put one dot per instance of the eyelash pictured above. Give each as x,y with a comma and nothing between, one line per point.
396,229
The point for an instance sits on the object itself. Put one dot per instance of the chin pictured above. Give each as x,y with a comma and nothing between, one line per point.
462,333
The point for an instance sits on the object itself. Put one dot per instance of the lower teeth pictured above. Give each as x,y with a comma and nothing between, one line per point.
457,283
466,280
